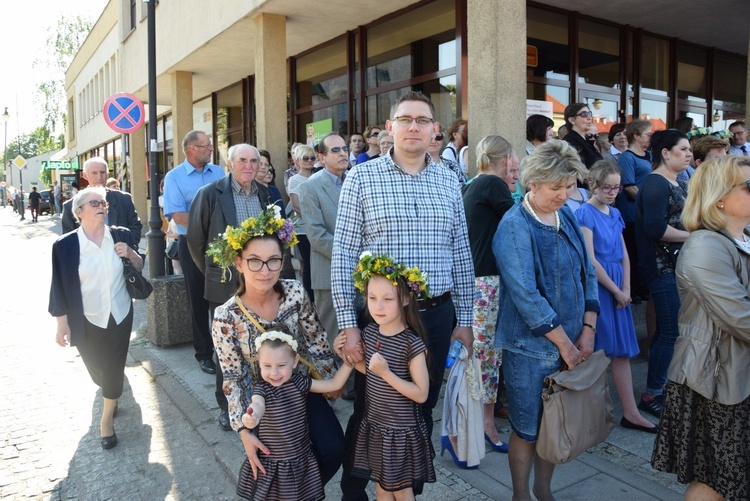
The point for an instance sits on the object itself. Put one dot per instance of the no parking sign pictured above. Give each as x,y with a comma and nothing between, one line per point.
124,113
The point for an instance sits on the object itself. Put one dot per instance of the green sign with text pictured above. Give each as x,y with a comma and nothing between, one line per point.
50,165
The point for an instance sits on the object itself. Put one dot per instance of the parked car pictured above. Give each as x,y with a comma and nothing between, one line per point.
46,204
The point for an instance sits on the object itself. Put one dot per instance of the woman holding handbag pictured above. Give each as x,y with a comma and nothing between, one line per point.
263,301
549,304
89,298
704,435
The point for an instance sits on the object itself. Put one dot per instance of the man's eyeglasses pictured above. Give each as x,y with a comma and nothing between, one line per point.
585,114
254,264
406,121
610,189
337,149
209,145
308,159
438,137
98,203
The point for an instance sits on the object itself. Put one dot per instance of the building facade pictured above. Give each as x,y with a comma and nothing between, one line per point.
267,72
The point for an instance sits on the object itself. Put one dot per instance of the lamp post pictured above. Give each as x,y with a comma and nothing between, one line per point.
6,117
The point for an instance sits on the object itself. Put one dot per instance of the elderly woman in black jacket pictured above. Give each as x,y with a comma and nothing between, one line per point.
88,297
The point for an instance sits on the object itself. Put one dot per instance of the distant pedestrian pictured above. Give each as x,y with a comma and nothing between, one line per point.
19,204
279,412
57,196
88,297
35,200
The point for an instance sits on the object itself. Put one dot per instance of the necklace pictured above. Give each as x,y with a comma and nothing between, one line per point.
527,201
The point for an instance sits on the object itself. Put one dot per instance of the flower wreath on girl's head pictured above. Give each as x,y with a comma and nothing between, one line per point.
385,266
228,245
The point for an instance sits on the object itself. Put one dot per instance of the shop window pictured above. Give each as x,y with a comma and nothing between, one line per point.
656,111
691,73
730,79
419,42
322,75
655,65
548,33
444,100
324,120
598,54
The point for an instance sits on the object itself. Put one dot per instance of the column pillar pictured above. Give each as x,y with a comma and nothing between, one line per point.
182,111
138,177
271,89
747,83
497,73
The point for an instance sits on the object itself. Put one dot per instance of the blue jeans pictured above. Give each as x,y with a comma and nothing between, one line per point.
666,306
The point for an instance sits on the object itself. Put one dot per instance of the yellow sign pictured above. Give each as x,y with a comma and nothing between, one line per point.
19,162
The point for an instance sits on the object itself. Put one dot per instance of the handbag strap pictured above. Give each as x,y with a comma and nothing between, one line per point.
125,261
244,310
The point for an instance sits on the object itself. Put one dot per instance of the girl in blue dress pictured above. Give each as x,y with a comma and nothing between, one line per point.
602,227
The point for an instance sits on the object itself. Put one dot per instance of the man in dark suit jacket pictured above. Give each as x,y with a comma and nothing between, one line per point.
212,210
121,209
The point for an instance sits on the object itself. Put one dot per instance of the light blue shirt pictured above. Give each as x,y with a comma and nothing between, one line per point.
336,179
182,183
737,150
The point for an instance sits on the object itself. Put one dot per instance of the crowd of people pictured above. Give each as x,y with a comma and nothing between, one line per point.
531,264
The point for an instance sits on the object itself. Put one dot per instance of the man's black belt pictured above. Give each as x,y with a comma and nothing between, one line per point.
429,303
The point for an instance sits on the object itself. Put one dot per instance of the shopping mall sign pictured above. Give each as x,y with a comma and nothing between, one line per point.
52,165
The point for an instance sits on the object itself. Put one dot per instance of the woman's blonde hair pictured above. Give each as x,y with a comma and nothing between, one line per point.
553,161
710,183
599,173
492,150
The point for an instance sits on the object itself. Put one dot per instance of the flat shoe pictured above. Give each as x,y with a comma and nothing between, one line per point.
109,442
653,407
208,366
224,421
632,426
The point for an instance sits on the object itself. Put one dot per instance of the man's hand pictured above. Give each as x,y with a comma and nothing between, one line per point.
466,336
353,347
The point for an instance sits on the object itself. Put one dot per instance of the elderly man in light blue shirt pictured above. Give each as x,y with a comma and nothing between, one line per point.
180,186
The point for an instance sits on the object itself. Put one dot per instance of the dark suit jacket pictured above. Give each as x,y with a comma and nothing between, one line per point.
121,213
588,153
65,291
211,211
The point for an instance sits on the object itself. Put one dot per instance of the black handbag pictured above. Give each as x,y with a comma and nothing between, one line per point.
173,248
137,285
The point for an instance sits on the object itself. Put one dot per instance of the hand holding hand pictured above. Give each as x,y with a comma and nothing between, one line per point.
353,351
571,355
378,365
585,343
338,344
622,298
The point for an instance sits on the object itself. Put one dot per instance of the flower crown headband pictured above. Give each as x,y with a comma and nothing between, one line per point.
273,335
227,246
385,266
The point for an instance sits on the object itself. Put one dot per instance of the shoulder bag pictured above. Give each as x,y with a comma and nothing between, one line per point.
577,410
312,371
137,285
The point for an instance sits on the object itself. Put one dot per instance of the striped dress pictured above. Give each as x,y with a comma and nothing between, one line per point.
291,470
392,444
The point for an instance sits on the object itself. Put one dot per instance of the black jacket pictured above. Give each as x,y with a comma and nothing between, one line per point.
585,150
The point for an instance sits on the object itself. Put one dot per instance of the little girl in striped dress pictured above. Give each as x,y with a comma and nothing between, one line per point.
278,409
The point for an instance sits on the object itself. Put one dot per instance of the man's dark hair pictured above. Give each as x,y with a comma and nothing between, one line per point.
322,146
412,95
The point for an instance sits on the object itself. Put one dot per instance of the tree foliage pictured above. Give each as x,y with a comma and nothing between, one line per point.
62,45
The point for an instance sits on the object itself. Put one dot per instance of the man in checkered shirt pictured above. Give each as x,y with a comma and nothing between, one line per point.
404,205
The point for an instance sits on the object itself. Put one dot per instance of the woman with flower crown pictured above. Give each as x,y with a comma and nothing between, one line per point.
263,301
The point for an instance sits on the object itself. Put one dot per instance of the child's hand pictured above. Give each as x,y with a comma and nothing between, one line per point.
338,344
623,299
378,365
250,419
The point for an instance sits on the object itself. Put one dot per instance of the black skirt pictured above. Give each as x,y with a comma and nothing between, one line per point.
104,352
703,441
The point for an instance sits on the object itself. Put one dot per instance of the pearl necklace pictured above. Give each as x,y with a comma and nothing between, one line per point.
527,201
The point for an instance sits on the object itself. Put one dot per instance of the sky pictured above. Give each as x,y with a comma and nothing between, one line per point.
25,27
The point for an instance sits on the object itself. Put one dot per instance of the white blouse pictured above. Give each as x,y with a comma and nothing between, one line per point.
102,282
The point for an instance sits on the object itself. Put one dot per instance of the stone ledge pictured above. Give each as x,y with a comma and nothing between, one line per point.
168,312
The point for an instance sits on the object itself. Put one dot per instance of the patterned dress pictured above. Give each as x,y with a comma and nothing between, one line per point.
291,471
392,445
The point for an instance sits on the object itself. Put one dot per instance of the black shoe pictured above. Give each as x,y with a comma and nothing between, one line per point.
224,421
109,442
632,426
208,366
653,406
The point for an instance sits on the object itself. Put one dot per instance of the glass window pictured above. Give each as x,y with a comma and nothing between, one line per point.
444,100
599,54
559,96
655,65
331,119
730,79
418,42
202,117
656,111
548,33
321,75
691,72
228,121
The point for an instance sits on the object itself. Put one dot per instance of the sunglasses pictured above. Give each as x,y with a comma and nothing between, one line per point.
308,159
374,134
98,203
585,114
337,149
438,137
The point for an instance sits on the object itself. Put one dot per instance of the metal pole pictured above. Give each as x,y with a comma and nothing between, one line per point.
156,243
5,162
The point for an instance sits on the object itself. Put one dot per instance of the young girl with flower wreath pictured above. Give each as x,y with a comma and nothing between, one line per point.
392,445
265,302
278,410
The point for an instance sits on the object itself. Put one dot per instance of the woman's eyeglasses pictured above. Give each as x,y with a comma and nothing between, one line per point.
585,114
610,189
254,264
308,159
98,203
